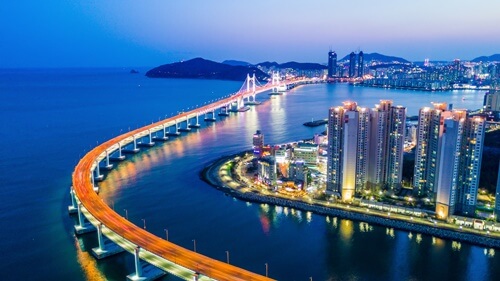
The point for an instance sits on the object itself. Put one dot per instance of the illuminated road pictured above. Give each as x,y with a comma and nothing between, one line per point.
98,212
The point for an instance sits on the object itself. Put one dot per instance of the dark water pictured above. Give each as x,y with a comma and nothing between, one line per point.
50,118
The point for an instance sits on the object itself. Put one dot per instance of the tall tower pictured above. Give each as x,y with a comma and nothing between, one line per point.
470,165
430,130
352,65
448,167
395,147
332,64
386,145
347,150
361,69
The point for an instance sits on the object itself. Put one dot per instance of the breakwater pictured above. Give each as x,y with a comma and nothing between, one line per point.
209,175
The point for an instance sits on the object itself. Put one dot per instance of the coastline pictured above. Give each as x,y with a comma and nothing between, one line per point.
209,175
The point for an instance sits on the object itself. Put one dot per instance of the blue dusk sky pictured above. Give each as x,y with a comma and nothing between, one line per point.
87,33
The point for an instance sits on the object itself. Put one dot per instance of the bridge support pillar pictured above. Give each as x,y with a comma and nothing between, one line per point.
94,186
73,208
82,226
176,132
137,260
144,272
212,116
108,166
185,129
120,157
150,143
98,176
135,149
197,124
164,136
106,247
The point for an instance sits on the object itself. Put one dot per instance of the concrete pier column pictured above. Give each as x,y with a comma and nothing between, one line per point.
197,119
108,166
80,216
98,175
120,150
150,137
73,198
99,237
164,130
138,266
73,207
135,143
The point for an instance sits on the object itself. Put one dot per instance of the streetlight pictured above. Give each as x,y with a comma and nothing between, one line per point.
126,213
227,256
194,245
144,221
267,268
166,233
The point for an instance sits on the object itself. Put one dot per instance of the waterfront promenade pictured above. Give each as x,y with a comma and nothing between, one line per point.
218,175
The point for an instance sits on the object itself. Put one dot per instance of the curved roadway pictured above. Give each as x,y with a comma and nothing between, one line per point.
83,189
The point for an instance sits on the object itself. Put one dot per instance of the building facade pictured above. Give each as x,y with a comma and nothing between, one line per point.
332,64
352,65
266,167
361,68
430,130
258,143
348,131
448,159
387,135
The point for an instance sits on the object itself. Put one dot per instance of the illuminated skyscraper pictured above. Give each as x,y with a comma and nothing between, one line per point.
332,64
448,159
348,129
386,146
470,165
361,69
430,130
352,65
448,168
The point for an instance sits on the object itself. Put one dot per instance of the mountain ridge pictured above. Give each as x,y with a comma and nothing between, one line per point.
199,68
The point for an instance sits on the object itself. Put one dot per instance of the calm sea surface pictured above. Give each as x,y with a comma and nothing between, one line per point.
50,118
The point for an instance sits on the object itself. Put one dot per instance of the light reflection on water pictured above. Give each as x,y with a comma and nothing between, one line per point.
192,205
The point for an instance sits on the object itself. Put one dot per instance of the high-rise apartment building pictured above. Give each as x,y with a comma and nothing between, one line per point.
492,100
448,159
429,134
348,129
387,134
332,64
448,168
361,69
352,65
470,165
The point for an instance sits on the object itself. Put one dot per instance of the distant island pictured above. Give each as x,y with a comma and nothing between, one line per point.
199,68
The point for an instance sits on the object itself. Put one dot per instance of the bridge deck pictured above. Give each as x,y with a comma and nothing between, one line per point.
102,213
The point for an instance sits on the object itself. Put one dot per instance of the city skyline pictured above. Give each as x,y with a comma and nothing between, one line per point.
74,34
